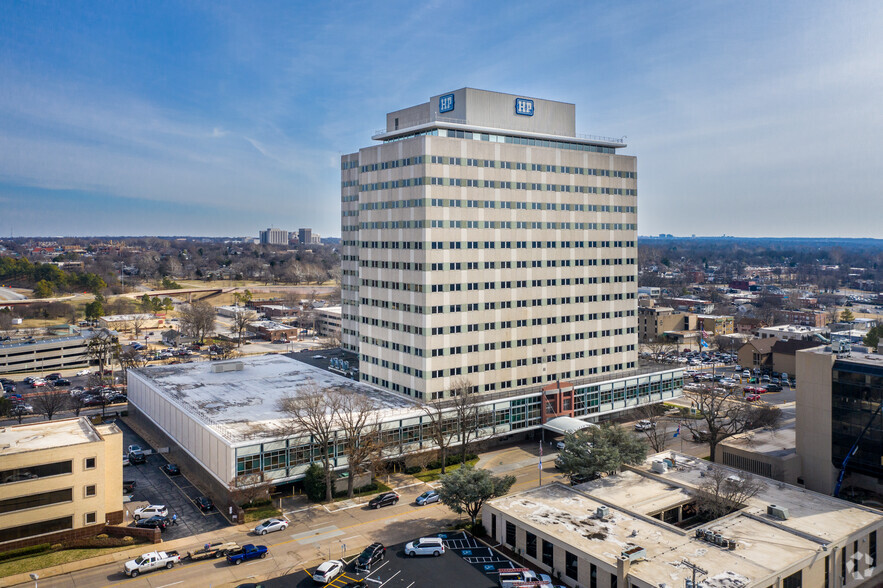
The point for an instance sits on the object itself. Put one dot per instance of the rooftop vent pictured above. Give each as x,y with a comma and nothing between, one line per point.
634,553
601,512
777,512
659,467
220,367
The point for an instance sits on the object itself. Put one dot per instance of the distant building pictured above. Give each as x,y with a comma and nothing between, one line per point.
273,331
59,480
127,322
757,354
308,237
274,237
715,324
45,353
787,332
805,318
641,527
328,321
654,321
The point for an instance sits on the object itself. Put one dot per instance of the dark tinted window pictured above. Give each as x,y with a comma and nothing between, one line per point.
510,533
35,500
33,472
548,551
531,545
795,580
570,567
32,529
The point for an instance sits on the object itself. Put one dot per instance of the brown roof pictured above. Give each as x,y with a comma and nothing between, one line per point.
793,346
762,345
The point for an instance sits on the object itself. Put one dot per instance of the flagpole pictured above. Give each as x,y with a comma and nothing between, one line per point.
541,464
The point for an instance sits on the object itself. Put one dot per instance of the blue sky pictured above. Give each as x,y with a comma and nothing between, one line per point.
216,118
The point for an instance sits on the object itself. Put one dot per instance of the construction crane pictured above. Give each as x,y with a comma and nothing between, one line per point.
853,450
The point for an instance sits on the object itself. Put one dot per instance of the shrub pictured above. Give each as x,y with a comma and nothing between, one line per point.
449,461
102,536
314,483
411,470
128,539
22,551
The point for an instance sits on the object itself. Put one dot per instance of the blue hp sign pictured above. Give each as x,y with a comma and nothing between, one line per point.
524,107
446,103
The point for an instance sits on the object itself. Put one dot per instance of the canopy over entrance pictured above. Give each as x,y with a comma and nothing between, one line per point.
565,424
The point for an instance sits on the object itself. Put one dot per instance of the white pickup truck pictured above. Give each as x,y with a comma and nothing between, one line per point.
152,561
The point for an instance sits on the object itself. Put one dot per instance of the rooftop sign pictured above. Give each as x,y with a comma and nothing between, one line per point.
523,106
446,103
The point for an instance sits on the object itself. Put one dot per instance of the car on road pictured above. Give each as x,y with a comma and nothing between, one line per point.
644,425
427,497
84,373
425,546
171,469
384,499
151,561
21,409
154,522
212,551
327,571
52,377
370,555
271,525
204,504
150,510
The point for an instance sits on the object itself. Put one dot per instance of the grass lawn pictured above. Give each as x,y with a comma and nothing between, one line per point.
381,487
45,560
259,513
433,475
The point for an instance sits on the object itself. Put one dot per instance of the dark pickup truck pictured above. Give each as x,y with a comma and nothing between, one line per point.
245,553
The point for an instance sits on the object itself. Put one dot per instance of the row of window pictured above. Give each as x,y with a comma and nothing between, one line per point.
491,204
37,471
495,184
476,286
485,265
494,138
427,224
424,245
491,163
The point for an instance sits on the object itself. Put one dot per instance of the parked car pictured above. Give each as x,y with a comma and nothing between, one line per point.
328,571
135,457
84,373
53,377
271,525
644,425
62,383
245,553
427,497
580,479
21,409
129,486
132,448
150,510
171,469
154,522
752,398
773,387
425,546
384,499
204,504
370,556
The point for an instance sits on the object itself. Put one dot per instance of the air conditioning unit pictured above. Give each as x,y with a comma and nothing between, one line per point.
777,512
220,367
634,553
659,467
601,512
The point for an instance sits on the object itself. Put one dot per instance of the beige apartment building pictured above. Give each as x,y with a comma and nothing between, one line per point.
59,479
484,240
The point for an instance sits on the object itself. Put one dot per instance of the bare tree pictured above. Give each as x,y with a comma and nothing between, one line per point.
248,489
130,358
723,491
5,320
440,426
103,349
313,410
657,432
723,414
658,348
241,318
464,406
138,322
198,319
360,426
51,402
225,350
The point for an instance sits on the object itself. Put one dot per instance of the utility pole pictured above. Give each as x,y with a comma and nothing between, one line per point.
541,463
695,568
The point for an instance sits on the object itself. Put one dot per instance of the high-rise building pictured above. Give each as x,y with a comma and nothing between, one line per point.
305,236
485,241
274,237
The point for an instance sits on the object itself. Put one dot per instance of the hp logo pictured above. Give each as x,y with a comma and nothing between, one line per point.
446,103
524,107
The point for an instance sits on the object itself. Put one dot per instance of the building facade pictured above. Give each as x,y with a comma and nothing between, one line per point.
273,236
328,321
840,394
59,479
44,354
484,240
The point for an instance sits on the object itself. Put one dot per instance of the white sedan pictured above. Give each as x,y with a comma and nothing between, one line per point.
84,373
328,571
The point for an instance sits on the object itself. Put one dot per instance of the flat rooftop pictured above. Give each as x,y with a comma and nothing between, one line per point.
856,354
47,435
775,443
765,545
241,405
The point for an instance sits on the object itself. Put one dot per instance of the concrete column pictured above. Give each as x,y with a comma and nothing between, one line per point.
623,566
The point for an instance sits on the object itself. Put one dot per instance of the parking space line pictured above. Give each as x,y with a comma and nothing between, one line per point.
390,579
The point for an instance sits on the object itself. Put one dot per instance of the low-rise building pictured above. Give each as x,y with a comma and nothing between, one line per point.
757,354
771,453
123,323
273,331
715,324
645,528
788,332
44,353
328,321
59,479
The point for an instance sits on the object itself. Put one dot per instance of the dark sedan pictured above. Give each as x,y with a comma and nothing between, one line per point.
171,469
205,504
384,499
154,522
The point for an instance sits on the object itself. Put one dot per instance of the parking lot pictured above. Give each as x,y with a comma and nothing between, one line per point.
154,486
465,563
